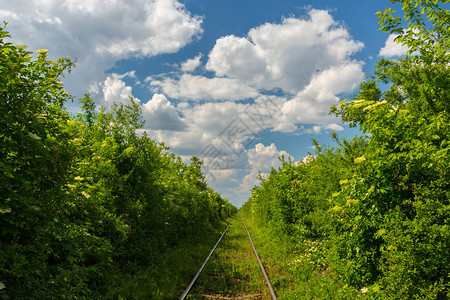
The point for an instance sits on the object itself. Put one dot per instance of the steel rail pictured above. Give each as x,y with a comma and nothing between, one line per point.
272,293
204,263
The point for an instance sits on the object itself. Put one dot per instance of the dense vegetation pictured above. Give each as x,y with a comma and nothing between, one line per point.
373,212
233,271
85,199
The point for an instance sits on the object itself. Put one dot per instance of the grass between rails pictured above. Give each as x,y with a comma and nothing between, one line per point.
233,271
171,272
297,270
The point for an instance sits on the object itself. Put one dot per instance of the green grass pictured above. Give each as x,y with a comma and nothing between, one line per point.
297,270
232,271
170,273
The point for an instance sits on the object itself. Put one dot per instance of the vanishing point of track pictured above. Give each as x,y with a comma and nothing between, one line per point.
266,278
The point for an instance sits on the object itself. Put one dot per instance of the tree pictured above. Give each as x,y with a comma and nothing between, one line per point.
85,198
394,230
36,157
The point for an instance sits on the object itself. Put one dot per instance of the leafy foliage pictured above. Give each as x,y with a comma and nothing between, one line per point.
387,219
85,198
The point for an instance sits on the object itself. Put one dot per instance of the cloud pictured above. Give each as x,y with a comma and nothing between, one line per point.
237,58
261,160
228,125
317,129
334,127
8,15
312,104
335,80
191,64
307,60
192,87
392,48
307,159
161,26
235,174
185,143
160,114
114,89
212,118
284,55
98,33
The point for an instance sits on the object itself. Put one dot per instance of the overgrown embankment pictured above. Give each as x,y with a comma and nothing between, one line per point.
233,270
370,217
86,200
170,273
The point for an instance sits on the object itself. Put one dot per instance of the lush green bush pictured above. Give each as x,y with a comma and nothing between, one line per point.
395,233
85,198
381,205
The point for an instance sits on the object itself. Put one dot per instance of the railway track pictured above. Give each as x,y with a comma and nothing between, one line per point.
256,255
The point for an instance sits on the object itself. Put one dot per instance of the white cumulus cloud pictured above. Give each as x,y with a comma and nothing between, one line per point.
392,48
261,160
193,87
284,55
114,89
228,125
317,129
191,64
160,114
312,104
97,33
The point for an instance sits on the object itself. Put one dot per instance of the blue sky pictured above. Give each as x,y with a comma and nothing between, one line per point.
237,83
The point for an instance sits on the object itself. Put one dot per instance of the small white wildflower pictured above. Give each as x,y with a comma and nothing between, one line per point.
364,290
2,286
